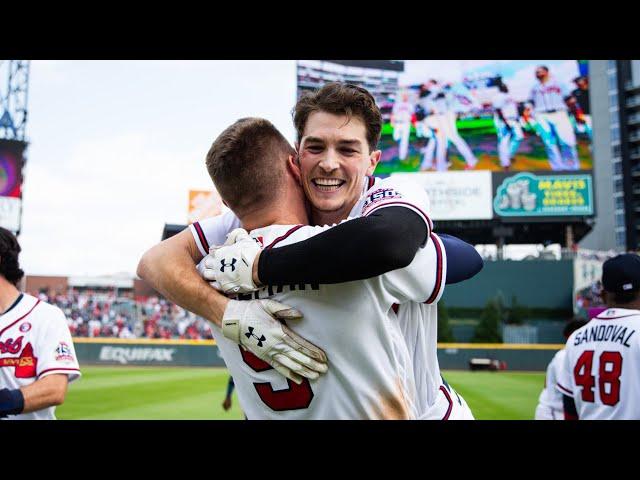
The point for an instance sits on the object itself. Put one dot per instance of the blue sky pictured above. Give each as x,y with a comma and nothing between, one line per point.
115,146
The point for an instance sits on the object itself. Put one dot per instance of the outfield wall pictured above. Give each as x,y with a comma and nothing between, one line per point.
204,353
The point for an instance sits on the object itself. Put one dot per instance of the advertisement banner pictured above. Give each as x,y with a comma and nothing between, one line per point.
529,195
456,195
203,204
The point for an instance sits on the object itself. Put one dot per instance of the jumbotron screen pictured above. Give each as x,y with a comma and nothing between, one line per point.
487,138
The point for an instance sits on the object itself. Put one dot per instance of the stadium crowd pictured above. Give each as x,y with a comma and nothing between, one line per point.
92,313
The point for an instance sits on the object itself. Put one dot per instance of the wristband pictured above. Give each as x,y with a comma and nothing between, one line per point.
11,402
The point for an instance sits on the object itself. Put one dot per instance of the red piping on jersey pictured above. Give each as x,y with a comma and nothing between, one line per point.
436,289
13,323
203,239
429,222
56,369
564,389
372,181
279,239
446,394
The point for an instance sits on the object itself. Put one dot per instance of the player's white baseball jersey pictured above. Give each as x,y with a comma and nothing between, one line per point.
402,113
510,133
370,372
418,321
550,401
35,342
602,367
549,96
553,124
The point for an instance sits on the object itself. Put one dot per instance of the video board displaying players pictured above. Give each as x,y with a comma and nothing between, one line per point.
520,129
11,163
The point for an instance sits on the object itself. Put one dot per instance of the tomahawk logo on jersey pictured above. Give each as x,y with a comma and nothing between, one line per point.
602,367
35,342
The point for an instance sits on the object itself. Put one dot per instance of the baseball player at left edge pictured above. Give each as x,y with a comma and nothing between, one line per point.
37,358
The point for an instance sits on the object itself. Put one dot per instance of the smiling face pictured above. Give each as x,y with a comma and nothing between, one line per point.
334,159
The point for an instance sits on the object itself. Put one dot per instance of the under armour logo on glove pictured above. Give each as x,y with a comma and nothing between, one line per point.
224,265
250,334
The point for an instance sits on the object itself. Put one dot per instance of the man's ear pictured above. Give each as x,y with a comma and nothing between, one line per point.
374,159
293,162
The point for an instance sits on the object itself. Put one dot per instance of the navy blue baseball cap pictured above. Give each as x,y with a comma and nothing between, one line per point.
622,273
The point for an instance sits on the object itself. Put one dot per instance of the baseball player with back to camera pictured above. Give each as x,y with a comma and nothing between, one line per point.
507,122
600,377
552,123
364,247
401,116
37,358
550,401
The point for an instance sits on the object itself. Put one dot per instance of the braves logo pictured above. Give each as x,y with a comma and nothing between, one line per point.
11,346
224,265
25,365
380,195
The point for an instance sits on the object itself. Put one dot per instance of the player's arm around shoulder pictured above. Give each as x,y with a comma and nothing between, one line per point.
170,268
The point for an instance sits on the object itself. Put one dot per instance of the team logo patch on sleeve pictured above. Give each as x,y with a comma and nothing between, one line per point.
63,352
380,195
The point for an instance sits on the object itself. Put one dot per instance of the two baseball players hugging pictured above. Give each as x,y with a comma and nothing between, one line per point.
335,275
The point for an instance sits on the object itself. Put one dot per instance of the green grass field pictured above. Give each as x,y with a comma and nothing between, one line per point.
156,393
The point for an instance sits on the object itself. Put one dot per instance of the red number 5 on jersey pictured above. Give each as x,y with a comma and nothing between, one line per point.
295,397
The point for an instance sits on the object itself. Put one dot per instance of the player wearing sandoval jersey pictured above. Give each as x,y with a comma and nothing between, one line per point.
552,122
37,358
600,379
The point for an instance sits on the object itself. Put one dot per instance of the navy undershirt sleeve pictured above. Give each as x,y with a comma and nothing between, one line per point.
361,248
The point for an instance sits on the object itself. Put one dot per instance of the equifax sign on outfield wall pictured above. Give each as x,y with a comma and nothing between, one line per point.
125,355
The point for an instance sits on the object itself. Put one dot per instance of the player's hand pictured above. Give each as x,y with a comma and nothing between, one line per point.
229,268
253,325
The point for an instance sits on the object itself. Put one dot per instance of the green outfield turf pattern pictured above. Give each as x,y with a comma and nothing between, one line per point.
499,395
156,393
149,393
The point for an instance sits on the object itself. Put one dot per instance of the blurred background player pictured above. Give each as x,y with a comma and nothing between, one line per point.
550,401
401,117
459,100
553,126
506,120
600,378
228,398
37,358
580,108
425,125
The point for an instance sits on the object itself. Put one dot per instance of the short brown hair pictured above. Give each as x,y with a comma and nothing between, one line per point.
341,99
244,163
